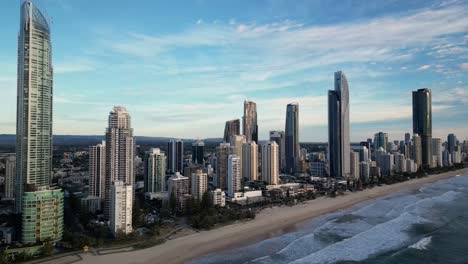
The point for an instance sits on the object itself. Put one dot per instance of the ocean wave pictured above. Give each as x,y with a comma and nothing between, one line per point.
422,244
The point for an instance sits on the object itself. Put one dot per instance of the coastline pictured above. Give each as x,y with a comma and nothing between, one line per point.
269,223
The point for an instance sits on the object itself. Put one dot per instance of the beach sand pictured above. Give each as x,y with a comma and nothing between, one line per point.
270,222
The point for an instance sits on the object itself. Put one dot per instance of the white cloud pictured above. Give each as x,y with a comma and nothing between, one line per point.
424,67
74,65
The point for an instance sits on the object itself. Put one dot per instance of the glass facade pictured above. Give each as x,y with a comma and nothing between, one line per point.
42,216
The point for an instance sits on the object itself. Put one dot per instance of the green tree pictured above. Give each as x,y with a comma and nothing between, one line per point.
48,247
207,201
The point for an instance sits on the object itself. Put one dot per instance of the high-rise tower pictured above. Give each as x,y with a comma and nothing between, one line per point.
119,152
292,138
422,122
175,156
231,128
249,125
338,128
40,205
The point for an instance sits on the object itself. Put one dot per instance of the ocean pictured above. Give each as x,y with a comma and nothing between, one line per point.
429,225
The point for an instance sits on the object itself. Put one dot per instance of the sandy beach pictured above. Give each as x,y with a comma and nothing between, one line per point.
269,223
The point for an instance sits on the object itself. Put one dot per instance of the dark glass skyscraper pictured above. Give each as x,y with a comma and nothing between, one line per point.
175,155
451,143
231,128
198,152
422,122
250,127
338,128
292,138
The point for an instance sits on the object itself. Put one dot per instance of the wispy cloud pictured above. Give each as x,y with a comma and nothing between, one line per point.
424,67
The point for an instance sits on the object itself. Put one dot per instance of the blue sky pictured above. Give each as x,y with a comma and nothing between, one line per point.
182,68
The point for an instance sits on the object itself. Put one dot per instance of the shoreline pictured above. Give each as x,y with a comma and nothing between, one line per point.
270,222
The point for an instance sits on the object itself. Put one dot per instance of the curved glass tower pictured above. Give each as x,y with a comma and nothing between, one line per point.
34,102
338,128
249,125
40,205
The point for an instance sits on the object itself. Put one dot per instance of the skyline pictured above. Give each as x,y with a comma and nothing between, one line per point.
212,58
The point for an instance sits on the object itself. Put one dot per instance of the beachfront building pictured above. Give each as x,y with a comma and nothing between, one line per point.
270,166
292,138
279,138
219,197
178,186
234,175
354,156
121,208
250,161
199,184
42,215
422,123
338,128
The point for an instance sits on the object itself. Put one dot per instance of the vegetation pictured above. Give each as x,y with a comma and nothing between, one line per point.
203,215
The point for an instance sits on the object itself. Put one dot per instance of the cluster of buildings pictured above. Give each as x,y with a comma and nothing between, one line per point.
240,170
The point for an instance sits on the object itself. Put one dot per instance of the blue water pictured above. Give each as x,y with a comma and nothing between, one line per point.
429,225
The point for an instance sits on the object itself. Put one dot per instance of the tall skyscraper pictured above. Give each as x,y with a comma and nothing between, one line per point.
198,152
34,131
199,184
175,155
437,151
451,143
222,154
422,122
292,138
407,138
119,152
381,141
250,161
231,128
338,128
97,170
354,160
10,175
416,150
234,175
279,138
120,221
270,166
249,124
155,171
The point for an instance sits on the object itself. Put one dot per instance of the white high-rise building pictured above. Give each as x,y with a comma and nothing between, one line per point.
447,158
97,170
237,143
155,171
219,198
10,175
199,184
178,186
364,168
119,152
416,153
437,151
270,166
354,161
121,208
250,161
234,175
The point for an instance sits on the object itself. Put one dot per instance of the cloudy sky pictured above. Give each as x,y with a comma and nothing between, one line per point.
182,68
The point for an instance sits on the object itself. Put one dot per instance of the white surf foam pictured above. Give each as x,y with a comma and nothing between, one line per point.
422,244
